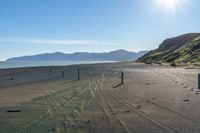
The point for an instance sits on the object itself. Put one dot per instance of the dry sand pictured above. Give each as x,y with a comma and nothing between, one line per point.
153,99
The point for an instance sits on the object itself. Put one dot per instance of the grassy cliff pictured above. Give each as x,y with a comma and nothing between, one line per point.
181,50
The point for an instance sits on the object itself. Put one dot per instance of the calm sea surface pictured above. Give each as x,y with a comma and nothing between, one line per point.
45,63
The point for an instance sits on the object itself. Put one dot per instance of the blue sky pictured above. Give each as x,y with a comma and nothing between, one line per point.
39,26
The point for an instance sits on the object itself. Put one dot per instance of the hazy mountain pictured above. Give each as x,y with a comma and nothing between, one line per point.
118,55
181,49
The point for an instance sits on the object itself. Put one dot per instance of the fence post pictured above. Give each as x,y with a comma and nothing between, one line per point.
199,81
122,78
78,70
63,74
50,71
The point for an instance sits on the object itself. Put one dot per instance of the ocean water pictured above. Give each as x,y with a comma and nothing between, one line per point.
20,64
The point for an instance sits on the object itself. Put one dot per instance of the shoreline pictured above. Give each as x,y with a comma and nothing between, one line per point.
49,63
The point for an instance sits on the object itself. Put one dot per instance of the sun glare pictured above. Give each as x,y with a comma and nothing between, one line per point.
170,5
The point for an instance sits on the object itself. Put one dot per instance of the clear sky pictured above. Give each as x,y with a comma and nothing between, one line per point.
43,26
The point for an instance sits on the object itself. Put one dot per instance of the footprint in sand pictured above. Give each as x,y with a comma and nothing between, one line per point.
191,89
127,111
185,86
197,92
11,78
186,100
114,113
87,121
139,106
147,83
148,101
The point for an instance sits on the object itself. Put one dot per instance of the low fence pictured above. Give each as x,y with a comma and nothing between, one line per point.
26,75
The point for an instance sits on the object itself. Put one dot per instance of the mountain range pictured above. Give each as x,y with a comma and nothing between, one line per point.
182,49
118,55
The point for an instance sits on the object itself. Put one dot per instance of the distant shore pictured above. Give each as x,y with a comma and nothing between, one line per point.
23,64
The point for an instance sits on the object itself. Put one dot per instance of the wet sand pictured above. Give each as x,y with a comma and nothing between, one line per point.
153,99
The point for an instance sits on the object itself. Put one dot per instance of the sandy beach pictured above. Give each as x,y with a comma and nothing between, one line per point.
153,99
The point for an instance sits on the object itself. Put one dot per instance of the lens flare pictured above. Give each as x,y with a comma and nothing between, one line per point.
170,5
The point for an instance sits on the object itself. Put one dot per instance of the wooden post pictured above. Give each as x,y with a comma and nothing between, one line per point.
199,81
122,78
50,71
63,74
78,70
